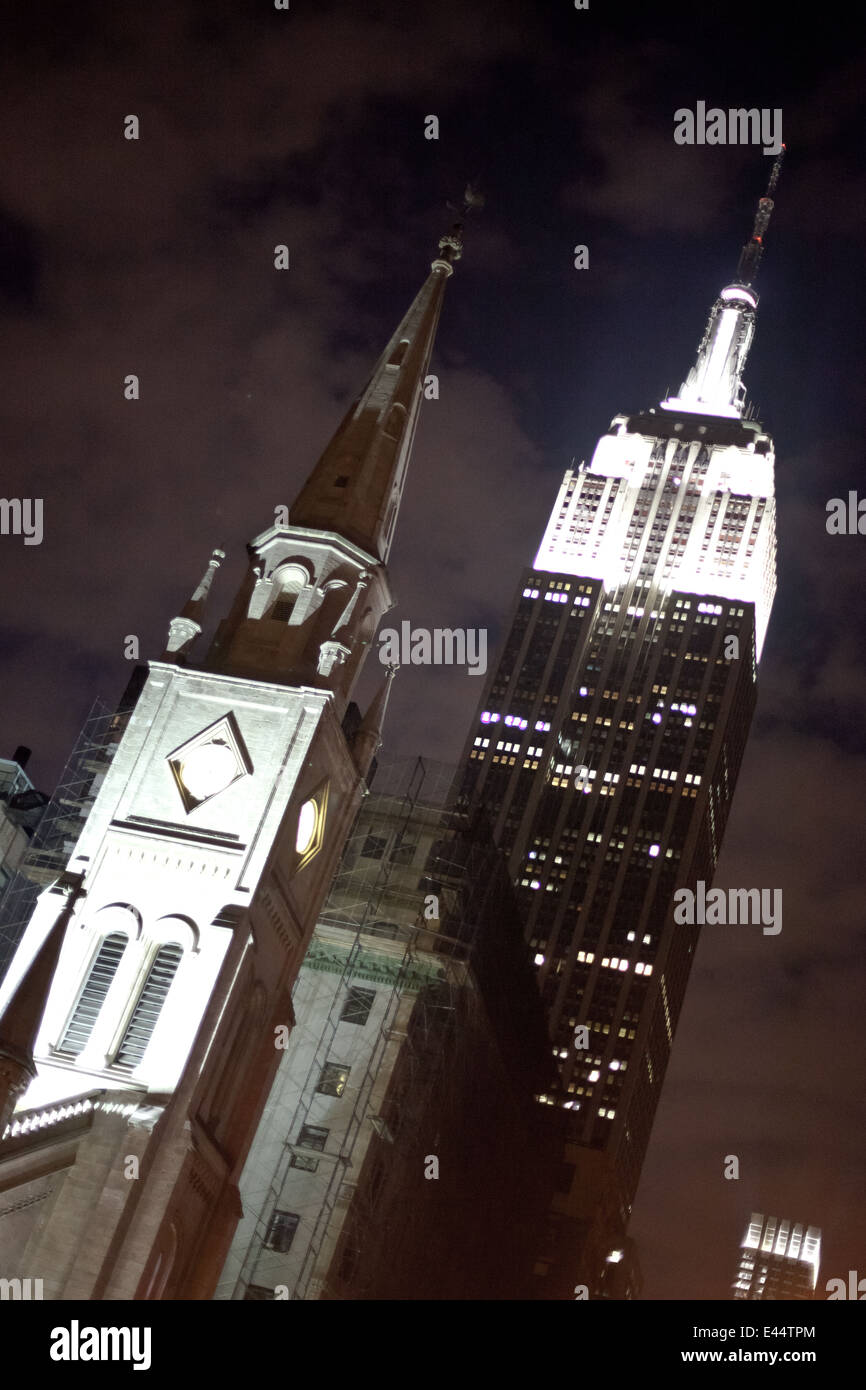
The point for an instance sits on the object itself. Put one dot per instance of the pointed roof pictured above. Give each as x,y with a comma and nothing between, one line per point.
183,629
194,607
368,738
22,1016
714,384
356,486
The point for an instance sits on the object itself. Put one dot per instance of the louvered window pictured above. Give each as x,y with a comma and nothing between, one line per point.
139,1030
102,972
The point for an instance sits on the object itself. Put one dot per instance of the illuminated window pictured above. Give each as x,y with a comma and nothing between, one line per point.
310,832
332,1081
306,827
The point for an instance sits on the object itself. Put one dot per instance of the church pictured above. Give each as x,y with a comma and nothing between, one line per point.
140,1016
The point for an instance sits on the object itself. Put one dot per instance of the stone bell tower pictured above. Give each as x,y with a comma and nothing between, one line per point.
147,991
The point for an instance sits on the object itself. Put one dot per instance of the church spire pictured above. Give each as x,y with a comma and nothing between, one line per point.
356,487
368,739
317,583
183,630
714,384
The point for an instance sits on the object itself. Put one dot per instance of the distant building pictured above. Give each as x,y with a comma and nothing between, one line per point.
151,977
398,1156
608,740
21,808
49,827
778,1260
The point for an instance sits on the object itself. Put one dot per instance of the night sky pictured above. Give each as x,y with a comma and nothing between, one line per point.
306,127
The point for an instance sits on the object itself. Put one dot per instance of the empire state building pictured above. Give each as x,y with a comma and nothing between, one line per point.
610,735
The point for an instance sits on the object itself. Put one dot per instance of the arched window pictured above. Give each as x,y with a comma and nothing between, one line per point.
291,580
92,997
145,1015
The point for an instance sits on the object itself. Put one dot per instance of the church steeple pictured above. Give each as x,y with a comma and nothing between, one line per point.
317,584
714,385
356,486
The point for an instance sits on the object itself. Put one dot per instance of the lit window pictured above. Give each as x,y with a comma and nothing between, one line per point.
332,1081
306,827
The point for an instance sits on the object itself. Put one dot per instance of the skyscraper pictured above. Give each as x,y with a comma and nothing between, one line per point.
139,1015
778,1260
610,735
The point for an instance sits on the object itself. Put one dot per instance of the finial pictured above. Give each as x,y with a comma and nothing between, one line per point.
451,245
183,629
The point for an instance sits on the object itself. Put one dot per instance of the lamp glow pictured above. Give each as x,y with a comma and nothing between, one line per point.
306,827
208,769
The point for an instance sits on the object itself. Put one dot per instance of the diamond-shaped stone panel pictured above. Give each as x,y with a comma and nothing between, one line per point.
210,762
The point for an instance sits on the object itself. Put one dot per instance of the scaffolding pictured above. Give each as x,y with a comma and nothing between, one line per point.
445,979
60,824
400,954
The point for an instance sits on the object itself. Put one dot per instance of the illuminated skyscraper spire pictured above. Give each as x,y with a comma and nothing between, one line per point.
714,384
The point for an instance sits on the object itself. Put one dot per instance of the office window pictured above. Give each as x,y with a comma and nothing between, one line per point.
374,847
332,1082
305,1162
281,1232
357,1005
313,1137
257,1292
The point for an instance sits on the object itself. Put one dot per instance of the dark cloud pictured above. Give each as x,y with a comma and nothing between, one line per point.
306,127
